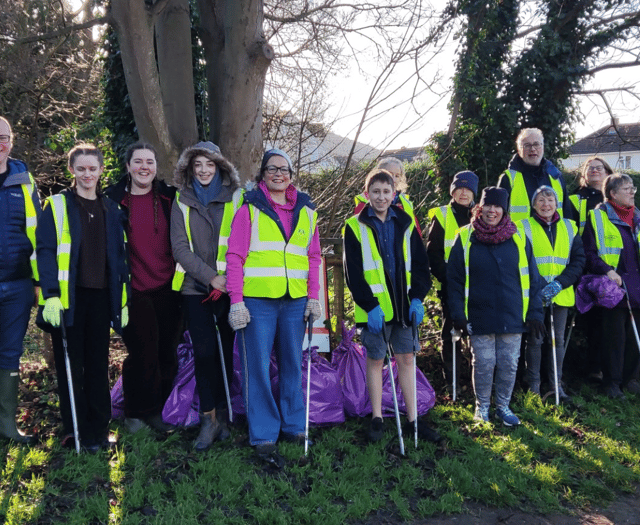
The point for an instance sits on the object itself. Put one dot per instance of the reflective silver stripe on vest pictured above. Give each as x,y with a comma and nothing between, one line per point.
63,275
368,263
519,209
298,250
407,241
274,271
603,249
185,213
527,230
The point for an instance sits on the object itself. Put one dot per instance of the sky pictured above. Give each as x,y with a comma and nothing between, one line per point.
350,95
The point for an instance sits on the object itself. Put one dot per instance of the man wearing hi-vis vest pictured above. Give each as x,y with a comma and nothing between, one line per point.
19,212
445,222
273,279
527,171
559,254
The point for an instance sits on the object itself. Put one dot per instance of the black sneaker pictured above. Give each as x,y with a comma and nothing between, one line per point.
424,431
298,439
376,429
268,452
614,392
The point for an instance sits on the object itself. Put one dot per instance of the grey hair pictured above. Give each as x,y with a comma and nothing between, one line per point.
614,182
546,193
527,131
386,163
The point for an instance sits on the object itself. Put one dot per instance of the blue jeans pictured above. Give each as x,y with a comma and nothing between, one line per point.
499,352
16,299
276,324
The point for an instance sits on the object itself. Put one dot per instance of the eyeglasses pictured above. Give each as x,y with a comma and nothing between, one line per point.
272,170
595,168
5,139
535,145
631,189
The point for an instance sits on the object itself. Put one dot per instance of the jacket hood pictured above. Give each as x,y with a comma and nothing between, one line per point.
230,176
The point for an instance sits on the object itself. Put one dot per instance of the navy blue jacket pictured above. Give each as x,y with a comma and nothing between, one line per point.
420,275
495,297
117,262
15,246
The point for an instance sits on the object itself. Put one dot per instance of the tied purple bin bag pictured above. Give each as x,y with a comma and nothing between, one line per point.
350,360
326,397
182,405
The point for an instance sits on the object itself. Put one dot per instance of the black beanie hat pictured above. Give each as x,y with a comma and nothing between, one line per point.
464,179
496,196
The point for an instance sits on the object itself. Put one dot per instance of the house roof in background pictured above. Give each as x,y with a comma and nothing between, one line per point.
606,140
404,154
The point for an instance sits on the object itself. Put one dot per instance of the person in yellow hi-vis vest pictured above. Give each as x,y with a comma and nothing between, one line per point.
155,314
84,279
527,171
559,254
494,296
586,362
611,240
445,222
273,268
208,196
387,271
19,212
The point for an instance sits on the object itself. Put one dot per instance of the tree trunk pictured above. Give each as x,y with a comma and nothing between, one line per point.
175,63
134,24
238,57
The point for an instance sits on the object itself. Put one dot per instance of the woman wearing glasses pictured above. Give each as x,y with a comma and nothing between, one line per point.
273,265
586,198
201,215
611,246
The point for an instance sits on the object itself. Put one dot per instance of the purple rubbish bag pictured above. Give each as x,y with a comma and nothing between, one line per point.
350,361
182,406
326,399
117,400
597,290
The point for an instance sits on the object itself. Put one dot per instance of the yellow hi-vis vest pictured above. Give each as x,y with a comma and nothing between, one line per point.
580,205
523,267
230,209
373,266
519,201
58,205
446,218
552,260
608,237
274,265
31,221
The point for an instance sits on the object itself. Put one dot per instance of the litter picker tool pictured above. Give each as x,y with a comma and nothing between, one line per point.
633,321
416,347
72,399
224,370
553,348
306,424
393,390
571,325
456,335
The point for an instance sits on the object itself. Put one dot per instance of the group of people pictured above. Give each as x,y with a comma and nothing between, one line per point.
238,265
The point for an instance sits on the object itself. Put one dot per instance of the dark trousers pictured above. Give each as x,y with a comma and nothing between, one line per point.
152,336
209,379
620,356
88,348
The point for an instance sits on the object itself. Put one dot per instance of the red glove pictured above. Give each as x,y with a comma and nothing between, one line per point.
213,296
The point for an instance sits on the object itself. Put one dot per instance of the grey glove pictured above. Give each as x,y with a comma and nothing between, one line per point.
239,316
313,307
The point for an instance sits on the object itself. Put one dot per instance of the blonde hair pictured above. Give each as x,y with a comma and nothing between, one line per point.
393,162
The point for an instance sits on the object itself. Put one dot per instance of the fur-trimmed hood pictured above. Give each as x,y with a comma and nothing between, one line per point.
229,173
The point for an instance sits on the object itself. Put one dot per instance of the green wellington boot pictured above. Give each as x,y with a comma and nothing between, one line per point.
9,380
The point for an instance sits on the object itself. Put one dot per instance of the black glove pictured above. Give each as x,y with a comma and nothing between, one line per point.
461,326
536,328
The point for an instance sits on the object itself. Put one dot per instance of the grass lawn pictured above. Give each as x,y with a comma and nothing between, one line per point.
558,460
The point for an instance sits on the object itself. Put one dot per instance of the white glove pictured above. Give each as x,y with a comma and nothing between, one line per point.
239,316
313,307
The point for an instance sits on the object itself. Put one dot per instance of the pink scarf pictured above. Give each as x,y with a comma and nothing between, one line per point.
501,232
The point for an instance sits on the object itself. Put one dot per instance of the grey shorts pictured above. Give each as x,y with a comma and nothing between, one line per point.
401,340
